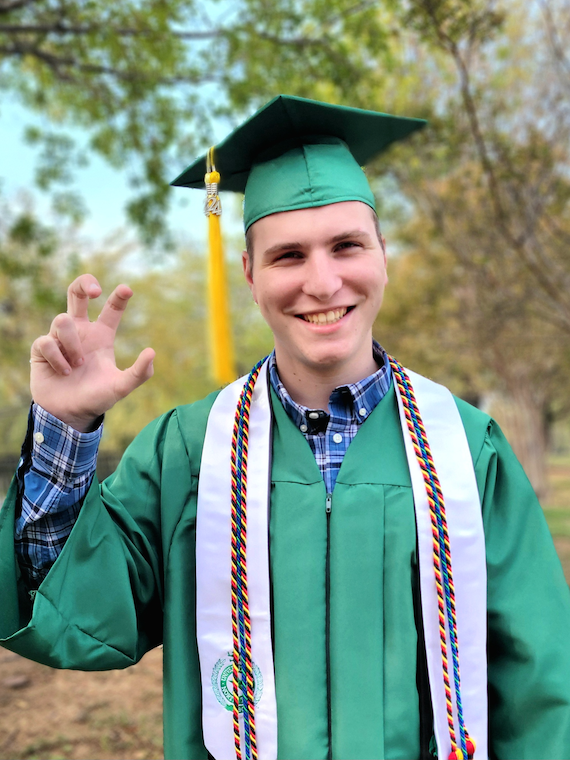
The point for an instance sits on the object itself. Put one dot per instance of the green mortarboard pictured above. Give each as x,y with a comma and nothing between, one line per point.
296,153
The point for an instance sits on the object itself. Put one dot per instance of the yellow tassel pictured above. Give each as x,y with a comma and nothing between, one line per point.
221,344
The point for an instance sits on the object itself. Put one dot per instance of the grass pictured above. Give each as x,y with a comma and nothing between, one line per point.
557,504
558,521
556,507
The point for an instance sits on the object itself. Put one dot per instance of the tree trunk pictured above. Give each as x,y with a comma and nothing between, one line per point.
523,422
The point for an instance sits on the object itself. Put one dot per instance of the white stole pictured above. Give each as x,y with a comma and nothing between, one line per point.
454,467
213,567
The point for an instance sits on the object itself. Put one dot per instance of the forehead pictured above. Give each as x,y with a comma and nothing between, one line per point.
311,224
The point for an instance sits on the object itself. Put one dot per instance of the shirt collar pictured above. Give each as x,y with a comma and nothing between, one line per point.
355,400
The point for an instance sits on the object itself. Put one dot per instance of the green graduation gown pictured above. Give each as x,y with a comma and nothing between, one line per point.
345,645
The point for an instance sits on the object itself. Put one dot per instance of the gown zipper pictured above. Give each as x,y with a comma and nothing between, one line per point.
328,508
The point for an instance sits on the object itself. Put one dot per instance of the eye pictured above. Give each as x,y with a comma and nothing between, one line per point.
347,245
287,255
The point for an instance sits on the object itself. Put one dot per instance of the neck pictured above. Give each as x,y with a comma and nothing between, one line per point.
313,388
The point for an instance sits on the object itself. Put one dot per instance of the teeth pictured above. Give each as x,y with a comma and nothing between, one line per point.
325,318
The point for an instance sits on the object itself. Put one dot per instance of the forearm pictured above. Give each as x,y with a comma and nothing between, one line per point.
56,470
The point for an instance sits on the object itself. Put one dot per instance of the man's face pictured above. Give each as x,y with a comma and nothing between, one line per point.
318,275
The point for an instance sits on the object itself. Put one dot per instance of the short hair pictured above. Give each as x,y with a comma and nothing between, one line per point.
249,238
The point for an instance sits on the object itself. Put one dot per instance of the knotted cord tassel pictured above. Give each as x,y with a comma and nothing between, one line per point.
221,344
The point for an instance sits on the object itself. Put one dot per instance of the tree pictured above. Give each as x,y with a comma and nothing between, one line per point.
493,189
146,80
521,153
477,330
29,292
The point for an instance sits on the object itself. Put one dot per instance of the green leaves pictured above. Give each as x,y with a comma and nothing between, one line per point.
146,80
448,23
125,72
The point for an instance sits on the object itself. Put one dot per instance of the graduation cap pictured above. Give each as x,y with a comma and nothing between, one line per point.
297,153
292,154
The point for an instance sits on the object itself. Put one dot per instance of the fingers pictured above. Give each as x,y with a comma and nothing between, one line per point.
64,330
79,292
47,349
85,287
61,348
135,375
115,306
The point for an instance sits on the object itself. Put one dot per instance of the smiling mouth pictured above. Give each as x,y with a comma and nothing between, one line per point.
326,317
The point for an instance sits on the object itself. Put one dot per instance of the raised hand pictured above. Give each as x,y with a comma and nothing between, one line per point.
73,371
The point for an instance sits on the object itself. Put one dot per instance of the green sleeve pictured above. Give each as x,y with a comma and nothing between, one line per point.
528,614
100,605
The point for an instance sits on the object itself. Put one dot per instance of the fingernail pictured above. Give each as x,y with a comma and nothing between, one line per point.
79,362
66,371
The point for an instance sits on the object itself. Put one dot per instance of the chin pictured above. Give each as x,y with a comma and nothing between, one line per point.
326,361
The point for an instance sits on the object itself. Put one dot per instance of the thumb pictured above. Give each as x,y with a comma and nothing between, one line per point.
135,375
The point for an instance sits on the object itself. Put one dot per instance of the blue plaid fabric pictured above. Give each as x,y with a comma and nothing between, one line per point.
330,434
55,480
59,472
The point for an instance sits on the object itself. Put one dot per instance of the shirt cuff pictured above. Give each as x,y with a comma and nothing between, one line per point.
59,450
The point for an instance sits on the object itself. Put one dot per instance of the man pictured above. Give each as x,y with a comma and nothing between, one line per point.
339,632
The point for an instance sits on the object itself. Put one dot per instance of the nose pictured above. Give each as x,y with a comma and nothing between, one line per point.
322,279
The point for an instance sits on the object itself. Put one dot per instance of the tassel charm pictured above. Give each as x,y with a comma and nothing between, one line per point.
212,204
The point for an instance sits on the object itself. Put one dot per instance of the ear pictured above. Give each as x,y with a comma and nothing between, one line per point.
385,256
247,272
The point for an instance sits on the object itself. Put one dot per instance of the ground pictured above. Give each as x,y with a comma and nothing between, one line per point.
48,714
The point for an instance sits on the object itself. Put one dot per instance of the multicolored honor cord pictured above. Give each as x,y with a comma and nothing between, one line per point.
441,563
241,624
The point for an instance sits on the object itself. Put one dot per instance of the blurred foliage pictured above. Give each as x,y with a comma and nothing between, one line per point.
29,295
145,80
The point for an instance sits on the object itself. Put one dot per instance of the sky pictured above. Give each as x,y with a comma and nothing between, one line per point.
105,190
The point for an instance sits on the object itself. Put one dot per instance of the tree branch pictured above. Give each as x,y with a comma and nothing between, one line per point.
468,101
59,64
306,42
7,7
352,11
521,243
61,29
556,45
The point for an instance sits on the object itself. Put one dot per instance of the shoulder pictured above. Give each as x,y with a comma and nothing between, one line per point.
477,425
180,431
488,445
191,422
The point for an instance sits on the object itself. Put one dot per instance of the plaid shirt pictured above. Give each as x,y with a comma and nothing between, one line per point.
330,434
55,479
57,475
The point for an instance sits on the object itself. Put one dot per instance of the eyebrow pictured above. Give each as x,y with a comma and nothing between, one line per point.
350,234
281,247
